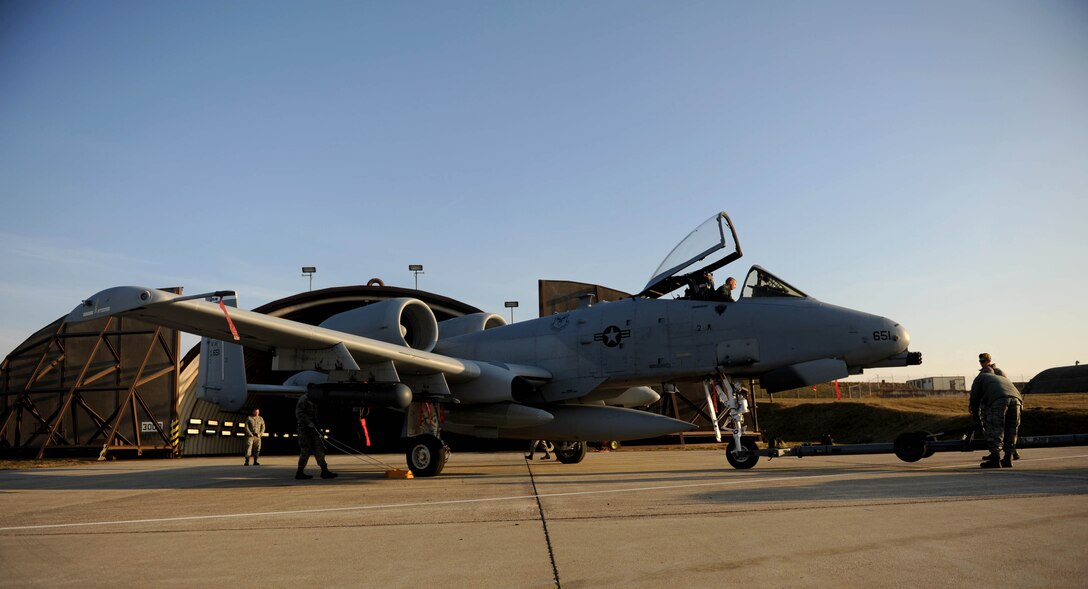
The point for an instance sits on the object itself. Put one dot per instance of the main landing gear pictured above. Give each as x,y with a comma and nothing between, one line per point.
427,455
570,452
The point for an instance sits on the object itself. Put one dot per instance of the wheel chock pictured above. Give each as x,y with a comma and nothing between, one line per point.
397,473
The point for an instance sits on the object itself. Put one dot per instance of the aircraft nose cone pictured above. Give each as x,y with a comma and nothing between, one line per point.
900,336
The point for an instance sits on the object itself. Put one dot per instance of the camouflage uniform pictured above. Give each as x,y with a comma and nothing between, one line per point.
996,402
254,431
309,439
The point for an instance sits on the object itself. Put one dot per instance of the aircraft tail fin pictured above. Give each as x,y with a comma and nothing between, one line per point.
222,377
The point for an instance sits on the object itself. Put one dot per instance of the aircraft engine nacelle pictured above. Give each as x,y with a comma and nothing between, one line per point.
375,395
402,321
470,323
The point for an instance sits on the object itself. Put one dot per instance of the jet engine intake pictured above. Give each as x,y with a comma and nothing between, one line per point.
402,321
376,395
471,323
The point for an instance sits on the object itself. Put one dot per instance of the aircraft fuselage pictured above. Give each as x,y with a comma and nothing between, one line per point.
638,341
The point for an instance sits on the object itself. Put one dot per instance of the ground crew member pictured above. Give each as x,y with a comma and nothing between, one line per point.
988,365
254,431
995,403
309,439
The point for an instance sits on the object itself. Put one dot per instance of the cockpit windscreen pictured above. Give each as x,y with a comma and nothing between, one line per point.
761,283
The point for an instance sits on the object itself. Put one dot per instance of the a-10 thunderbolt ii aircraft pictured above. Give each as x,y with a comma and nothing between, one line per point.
555,378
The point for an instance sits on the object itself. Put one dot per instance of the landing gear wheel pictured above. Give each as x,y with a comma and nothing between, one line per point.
911,446
570,452
426,455
744,458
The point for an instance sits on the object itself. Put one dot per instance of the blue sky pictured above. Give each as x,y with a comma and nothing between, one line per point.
925,161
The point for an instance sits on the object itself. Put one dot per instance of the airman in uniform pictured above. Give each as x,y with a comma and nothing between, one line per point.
309,440
254,431
996,403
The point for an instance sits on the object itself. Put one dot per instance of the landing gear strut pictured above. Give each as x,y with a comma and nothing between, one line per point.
741,452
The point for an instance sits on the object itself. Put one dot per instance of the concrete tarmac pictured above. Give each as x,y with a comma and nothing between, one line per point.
679,518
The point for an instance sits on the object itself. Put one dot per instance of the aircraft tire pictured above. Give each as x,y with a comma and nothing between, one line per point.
911,446
746,458
570,452
426,455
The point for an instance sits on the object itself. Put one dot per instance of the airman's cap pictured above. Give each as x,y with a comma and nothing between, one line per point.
984,357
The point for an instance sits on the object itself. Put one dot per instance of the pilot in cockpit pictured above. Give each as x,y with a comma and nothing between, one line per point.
725,291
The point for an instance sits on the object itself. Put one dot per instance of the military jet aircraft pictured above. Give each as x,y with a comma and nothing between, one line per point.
556,378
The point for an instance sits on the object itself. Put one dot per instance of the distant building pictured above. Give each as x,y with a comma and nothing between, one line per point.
940,383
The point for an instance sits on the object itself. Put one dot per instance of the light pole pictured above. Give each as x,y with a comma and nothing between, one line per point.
416,269
309,271
511,305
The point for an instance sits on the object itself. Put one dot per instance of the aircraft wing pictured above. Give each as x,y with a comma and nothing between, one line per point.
194,314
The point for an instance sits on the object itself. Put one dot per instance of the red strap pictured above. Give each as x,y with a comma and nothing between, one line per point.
365,432
233,331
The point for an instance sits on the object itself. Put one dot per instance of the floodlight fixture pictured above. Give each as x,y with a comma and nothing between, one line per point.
416,269
310,271
511,305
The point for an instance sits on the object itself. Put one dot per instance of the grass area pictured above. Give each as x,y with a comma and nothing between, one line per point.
44,463
863,421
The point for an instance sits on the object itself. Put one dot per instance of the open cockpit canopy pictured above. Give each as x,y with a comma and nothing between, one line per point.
710,246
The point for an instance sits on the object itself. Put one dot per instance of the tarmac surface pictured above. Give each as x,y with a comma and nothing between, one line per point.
680,518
